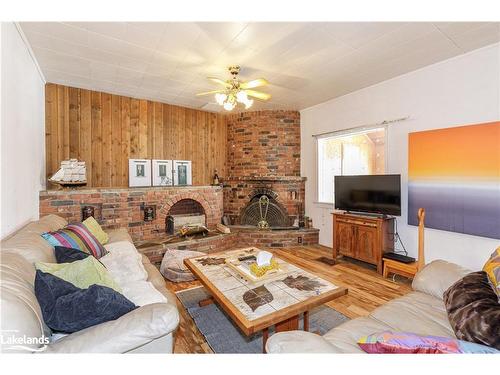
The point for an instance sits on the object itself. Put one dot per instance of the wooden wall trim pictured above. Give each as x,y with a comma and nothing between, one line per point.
106,130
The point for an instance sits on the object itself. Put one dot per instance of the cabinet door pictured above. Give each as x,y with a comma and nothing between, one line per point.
345,239
366,243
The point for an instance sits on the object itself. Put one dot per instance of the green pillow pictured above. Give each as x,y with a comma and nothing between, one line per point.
82,273
93,226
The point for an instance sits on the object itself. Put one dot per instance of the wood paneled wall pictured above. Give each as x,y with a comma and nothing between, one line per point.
106,130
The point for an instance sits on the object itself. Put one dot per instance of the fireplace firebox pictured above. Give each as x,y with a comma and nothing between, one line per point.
186,212
272,212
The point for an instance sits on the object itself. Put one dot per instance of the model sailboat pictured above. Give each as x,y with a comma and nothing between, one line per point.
71,172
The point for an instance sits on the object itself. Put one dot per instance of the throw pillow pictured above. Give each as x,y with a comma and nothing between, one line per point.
68,255
94,228
403,342
473,309
76,236
67,308
492,268
81,273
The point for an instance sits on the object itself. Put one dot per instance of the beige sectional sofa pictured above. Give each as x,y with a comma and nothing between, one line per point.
421,311
147,329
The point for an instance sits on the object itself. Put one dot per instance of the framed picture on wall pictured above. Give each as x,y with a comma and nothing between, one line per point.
182,172
162,173
139,172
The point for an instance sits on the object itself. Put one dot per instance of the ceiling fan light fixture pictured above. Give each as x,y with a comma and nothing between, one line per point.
229,106
236,91
242,96
220,98
248,103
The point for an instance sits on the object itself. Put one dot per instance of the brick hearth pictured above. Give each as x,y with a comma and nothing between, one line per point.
238,238
115,208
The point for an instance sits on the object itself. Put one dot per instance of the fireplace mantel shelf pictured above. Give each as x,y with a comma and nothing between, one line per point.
89,190
268,178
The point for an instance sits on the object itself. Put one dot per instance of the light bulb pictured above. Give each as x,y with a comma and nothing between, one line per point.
228,106
220,98
248,103
241,96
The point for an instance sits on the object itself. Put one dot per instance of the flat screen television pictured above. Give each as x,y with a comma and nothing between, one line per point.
378,194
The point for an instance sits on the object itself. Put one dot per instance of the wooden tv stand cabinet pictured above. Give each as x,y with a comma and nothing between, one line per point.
365,238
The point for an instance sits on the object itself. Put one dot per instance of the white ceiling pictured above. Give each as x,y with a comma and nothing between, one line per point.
306,63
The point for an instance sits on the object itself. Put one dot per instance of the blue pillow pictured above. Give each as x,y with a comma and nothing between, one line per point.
67,308
68,254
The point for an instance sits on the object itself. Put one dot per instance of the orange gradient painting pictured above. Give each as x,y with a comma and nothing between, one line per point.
454,174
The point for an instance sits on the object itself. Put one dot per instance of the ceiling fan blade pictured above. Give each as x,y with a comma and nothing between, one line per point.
254,83
258,94
219,81
209,92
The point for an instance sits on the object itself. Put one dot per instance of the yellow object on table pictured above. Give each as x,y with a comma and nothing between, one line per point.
260,271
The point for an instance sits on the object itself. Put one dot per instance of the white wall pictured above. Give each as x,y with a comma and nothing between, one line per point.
459,91
22,132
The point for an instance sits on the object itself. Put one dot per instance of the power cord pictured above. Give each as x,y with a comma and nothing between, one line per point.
396,238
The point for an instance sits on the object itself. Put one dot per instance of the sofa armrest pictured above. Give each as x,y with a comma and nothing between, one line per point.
128,332
438,276
298,342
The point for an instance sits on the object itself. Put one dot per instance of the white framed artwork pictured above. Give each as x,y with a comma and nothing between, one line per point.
139,172
162,173
182,172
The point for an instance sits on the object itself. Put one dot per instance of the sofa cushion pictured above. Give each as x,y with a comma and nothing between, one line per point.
117,235
93,226
415,312
29,245
408,343
344,337
124,262
54,222
46,224
142,293
81,273
438,276
67,308
76,236
68,255
474,310
137,279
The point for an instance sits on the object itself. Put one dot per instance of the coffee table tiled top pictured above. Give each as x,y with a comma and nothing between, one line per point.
258,305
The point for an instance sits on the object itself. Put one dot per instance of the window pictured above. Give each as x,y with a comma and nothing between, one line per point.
353,153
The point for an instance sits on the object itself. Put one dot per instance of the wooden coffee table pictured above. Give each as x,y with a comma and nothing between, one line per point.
256,306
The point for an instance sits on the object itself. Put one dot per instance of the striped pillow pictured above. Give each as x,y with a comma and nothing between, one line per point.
78,237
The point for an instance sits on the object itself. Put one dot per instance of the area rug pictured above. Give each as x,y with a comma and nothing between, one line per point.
224,336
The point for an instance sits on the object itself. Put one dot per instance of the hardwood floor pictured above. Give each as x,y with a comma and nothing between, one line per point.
367,290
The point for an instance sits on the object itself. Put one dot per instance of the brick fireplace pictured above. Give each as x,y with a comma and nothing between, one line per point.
264,158
124,207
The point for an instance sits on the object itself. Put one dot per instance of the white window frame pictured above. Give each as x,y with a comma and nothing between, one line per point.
344,133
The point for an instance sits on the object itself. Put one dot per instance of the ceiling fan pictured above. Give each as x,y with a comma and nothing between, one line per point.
236,91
